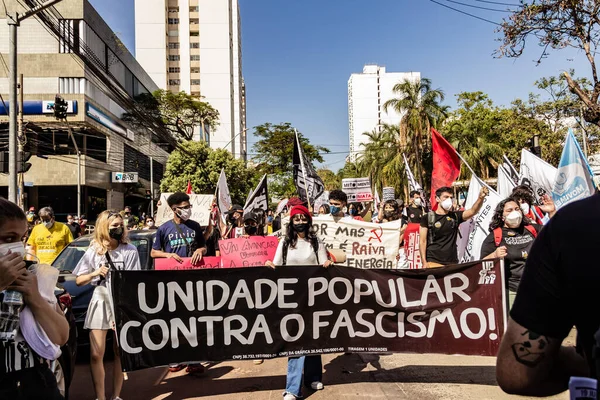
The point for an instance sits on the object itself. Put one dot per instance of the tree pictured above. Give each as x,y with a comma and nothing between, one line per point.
180,113
201,165
274,154
558,24
331,180
420,108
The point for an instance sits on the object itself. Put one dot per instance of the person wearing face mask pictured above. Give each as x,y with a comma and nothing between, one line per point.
128,218
439,228
251,227
301,246
73,226
541,214
511,237
355,210
235,223
48,238
108,250
337,204
149,224
416,209
179,238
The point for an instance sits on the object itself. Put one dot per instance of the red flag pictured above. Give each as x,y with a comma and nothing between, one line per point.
189,190
446,164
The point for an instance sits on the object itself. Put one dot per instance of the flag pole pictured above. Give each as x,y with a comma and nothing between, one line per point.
301,153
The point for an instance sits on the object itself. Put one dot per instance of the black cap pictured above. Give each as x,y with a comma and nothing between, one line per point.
250,216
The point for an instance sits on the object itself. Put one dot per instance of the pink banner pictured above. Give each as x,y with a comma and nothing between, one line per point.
249,251
164,264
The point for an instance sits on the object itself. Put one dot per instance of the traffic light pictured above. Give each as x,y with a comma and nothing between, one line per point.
22,164
60,108
148,194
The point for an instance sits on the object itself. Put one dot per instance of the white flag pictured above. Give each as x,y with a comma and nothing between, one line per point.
474,231
414,185
223,195
537,174
505,182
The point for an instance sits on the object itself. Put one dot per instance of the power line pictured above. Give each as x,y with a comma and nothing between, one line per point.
465,13
499,3
479,7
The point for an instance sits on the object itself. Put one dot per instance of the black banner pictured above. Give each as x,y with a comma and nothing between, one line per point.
309,184
249,313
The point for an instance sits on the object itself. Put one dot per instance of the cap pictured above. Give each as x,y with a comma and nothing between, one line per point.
235,208
250,216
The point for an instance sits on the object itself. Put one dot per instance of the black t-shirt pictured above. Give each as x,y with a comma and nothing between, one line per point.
212,243
414,214
75,230
561,281
445,231
518,244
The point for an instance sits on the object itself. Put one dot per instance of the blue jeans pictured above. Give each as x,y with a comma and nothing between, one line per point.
313,372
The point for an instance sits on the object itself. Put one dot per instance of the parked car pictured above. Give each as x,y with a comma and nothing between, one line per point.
68,259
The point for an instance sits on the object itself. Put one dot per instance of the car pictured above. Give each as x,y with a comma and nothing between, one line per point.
68,259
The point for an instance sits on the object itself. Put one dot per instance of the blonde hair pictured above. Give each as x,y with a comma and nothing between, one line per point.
101,238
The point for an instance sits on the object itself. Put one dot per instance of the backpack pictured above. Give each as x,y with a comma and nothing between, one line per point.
284,252
431,215
498,234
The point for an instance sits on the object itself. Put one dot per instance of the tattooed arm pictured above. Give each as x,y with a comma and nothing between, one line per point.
529,364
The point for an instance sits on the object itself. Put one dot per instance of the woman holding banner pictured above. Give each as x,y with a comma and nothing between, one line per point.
109,250
301,246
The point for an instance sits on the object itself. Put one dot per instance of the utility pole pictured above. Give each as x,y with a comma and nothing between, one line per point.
13,20
583,132
151,187
20,144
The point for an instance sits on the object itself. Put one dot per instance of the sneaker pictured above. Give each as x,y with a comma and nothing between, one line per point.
258,362
195,369
289,396
316,386
176,368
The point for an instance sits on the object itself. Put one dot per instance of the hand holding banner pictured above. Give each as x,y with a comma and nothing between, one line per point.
170,264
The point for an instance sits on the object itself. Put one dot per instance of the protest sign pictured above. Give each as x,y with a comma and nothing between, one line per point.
357,189
389,193
411,246
170,264
247,251
262,313
201,206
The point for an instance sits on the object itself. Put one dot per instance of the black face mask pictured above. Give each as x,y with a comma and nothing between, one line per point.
116,233
251,230
300,228
388,214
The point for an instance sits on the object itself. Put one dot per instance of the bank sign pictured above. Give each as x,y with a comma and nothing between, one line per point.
38,107
124,177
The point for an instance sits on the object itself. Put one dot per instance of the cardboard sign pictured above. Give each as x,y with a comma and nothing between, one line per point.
201,207
247,251
261,313
357,189
170,264
411,246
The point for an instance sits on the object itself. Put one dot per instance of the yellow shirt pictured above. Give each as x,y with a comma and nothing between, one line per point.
48,243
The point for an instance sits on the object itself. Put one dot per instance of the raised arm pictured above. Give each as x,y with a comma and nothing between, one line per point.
470,213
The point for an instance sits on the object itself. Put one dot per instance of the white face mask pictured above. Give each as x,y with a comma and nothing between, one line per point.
446,204
16,247
48,224
185,214
150,224
514,219
525,208
417,202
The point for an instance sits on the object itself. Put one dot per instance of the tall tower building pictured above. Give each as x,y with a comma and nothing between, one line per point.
367,93
195,46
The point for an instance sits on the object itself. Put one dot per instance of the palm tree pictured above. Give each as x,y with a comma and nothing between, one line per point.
420,108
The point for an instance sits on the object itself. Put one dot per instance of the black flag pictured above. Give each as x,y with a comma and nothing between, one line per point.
259,198
308,183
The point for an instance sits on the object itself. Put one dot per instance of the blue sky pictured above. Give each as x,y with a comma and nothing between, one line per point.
298,56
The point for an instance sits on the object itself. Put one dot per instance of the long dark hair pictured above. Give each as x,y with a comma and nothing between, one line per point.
291,236
498,217
396,213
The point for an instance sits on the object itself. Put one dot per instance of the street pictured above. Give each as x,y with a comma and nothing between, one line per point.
354,376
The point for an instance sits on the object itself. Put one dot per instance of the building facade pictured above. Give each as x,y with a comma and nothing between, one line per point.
72,52
367,93
195,46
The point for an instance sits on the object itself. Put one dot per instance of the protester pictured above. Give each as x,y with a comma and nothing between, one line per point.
524,195
558,290
128,218
355,210
511,237
109,250
48,238
83,223
149,224
179,238
324,209
26,375
337,204
234,227
301,247
389,211
31,214
270,218
132,225
439,228
251,227
416,209
73,226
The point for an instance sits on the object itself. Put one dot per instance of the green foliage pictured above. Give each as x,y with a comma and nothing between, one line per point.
179,113
331,180
274,155
202,166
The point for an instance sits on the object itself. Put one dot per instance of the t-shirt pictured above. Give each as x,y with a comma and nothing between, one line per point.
445,231
169,239
212,244
49,243
414,214
518,244
302,254
559,287
75,229
124,258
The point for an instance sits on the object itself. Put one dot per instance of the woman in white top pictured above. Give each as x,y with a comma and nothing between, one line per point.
109,249
301,247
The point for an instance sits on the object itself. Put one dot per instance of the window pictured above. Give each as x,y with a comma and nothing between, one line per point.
69,35
194,9
194,21
195,70
173,10
173,57
174,82
194,45
195,82
194,57
194,33
174,70
71,85
173,21
173,33
174,45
